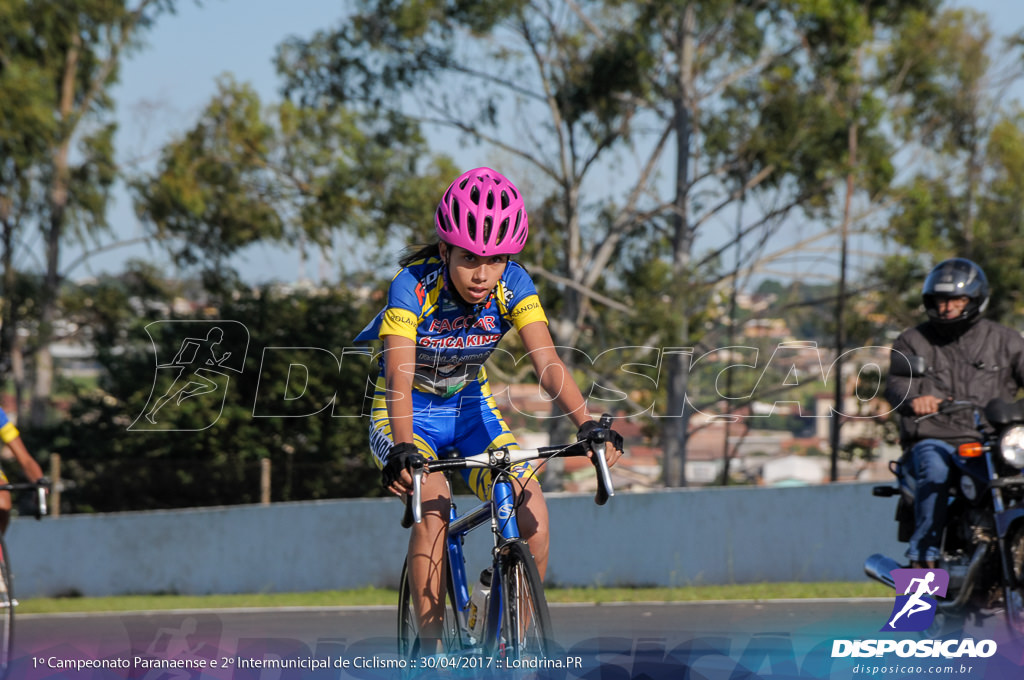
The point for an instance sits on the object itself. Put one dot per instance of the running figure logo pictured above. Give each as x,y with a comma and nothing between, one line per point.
198,370
914,610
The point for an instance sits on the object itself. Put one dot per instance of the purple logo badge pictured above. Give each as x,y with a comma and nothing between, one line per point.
914,610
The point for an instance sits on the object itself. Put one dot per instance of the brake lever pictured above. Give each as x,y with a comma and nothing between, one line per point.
41,493
605,490
599,450
417,494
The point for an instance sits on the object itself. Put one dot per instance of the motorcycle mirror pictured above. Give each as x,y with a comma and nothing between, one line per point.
907,366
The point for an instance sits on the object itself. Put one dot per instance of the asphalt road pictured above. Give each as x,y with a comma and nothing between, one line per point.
728,640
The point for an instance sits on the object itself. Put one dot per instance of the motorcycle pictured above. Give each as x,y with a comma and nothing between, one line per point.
982,546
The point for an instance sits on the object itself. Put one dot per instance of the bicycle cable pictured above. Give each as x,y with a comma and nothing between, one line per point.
520,498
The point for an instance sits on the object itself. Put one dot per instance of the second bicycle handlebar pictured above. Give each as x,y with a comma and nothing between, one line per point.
42,489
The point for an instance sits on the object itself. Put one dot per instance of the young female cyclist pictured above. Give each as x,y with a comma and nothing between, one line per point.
447,309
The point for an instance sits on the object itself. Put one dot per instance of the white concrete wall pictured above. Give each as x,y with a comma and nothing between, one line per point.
671,538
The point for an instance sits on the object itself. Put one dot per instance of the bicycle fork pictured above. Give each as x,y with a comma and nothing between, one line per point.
505,526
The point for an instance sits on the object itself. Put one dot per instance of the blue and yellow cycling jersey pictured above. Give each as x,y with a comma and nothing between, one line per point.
452,340
8,432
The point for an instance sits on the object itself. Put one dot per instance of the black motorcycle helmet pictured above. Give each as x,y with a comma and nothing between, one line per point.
956,277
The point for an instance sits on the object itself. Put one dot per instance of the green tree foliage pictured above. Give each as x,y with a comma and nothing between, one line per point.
319,453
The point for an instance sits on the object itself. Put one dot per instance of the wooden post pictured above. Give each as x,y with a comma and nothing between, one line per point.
55,485
265,481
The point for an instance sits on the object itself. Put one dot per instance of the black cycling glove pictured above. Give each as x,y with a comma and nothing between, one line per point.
587,432
399,458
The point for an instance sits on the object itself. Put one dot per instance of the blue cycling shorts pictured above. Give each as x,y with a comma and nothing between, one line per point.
469,420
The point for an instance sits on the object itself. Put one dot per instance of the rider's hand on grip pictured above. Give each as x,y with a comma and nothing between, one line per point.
600,431
400,457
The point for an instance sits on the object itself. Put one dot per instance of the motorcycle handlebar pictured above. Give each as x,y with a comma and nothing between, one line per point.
946,407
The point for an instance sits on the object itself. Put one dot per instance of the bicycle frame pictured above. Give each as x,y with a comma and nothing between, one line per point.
500,510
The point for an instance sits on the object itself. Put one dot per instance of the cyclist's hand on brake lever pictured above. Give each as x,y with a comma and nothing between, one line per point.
395,476
593,431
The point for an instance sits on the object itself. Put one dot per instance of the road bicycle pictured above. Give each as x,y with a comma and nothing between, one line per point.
516,623
7,599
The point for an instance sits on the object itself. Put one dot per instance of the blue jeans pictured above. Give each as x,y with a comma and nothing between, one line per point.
930,460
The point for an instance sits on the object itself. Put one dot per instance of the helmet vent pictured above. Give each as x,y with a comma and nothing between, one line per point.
502,230
442,221
488,225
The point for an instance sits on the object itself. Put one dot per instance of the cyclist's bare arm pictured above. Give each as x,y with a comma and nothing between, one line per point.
555,378
28,464
398,374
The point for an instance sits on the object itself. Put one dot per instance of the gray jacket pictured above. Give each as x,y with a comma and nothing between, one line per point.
983,363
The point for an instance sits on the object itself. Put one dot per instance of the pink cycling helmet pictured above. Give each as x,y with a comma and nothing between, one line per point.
483,212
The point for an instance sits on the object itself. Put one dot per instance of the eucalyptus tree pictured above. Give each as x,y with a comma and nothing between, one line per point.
58,63
962,192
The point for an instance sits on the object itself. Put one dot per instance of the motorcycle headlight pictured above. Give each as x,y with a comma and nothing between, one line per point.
1011,444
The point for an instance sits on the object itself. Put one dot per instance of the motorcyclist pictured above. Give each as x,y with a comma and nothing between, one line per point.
970,359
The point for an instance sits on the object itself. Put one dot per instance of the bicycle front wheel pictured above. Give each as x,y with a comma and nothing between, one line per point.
525,631
6,610
408,626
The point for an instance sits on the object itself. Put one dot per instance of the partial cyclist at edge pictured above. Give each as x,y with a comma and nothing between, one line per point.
447,308
969,358
12,439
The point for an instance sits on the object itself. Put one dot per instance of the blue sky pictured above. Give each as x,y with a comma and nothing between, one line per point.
165,86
